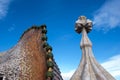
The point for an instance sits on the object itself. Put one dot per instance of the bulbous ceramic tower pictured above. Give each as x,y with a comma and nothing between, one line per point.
89,68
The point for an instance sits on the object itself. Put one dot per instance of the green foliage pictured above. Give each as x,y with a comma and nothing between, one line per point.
44,38
49,74
45,45
44,31
43,26
50,64
49,55
48,48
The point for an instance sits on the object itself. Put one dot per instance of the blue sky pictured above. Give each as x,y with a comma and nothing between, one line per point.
60,15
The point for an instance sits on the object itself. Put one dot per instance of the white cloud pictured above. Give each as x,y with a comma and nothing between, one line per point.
108,16
67,75
4,7
112,65
11,29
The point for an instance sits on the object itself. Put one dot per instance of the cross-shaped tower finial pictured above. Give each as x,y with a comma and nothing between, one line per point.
81,23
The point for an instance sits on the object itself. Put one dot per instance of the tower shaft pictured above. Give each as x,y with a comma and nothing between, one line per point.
89,68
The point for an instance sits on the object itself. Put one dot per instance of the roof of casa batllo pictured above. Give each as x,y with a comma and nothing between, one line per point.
29,59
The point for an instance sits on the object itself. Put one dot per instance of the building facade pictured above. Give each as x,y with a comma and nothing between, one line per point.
30,58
